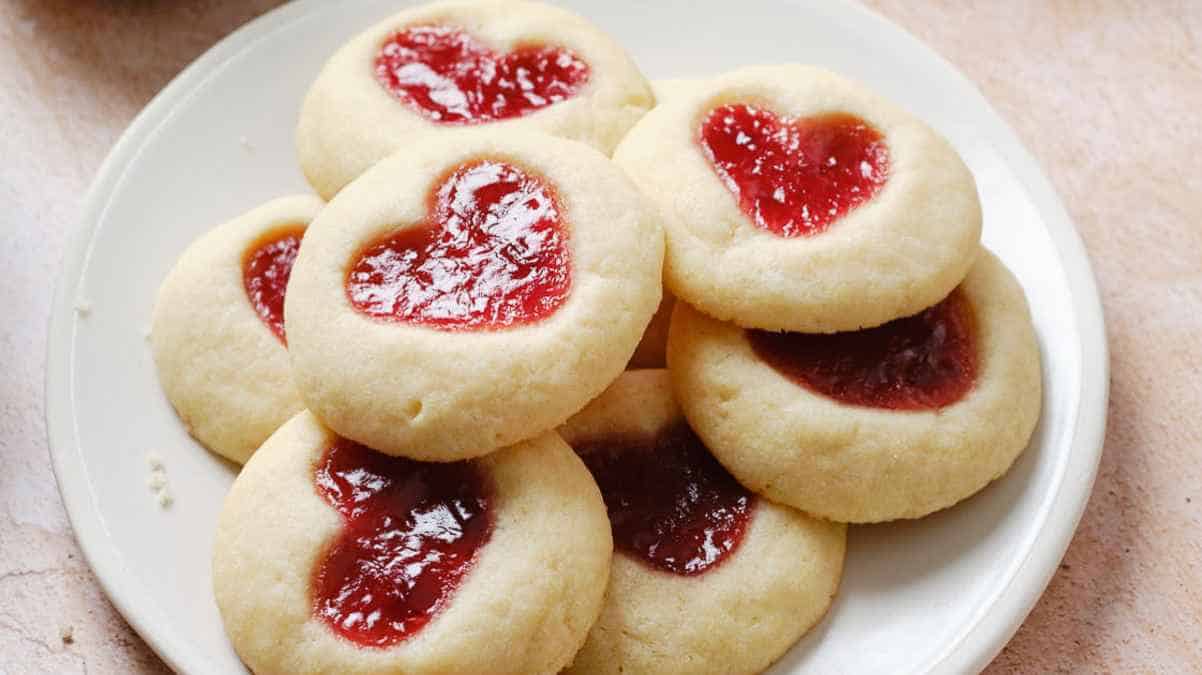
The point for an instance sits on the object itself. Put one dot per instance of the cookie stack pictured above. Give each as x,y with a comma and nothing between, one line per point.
448,466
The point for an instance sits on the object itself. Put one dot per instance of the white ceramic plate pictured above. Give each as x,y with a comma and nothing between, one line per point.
939,595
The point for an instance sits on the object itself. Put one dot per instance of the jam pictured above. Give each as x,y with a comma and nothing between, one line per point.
795,178
265,271
492,254
922,362
449,78
671,504
411,534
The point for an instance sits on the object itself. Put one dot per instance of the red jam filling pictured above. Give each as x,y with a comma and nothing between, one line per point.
795,178
671,504
412,532
450,78
922,362
492,254
265,271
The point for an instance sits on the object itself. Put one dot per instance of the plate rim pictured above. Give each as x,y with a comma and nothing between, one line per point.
974,648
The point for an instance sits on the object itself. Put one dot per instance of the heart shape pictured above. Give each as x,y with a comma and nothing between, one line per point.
412,531
921,362
493,253
450,78
794,177
670,503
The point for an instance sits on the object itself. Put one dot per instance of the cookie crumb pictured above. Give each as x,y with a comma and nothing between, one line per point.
157,480
67,635
245,143
82,307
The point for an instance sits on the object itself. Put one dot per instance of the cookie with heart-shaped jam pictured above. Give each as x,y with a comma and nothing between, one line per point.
707,577
890,422
470,292
501,64
794,199
330,557
217,333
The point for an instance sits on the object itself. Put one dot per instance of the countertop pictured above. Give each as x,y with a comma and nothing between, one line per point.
1105,93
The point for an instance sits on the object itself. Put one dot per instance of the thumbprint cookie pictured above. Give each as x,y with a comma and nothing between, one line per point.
217,331
332,558
798,200
891,422
500,64
707,577
470,292
652,349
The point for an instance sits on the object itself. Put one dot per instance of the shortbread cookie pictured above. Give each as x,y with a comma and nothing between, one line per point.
332,558
892,422
218,328
653,347
794,199
471,292
505,64
706,577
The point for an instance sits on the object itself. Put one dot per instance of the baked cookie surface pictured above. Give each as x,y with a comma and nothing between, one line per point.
471,292
331,558
798,200
706,576
217,330
504,64
888,423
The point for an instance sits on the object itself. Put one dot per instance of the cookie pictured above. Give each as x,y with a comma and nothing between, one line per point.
332,558
471,292
798,200
706,577
653,347
508,65
217,332
893,422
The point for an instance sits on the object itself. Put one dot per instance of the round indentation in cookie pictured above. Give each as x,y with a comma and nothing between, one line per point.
952,398
331,558
442,66
412,532
217,331
922,362
800,201
493,253
671,504
452,78
508,278
735,581
794,178
265,271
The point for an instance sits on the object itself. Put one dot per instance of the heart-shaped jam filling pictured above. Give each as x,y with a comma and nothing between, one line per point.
671,504
266,267
411,533
795,178
450,78
923,362
493,253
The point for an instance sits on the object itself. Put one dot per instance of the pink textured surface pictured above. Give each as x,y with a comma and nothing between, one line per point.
1105,94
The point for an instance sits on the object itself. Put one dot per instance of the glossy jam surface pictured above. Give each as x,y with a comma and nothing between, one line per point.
411,533
922,362
450,78
794,178
671,504
492,254
266,268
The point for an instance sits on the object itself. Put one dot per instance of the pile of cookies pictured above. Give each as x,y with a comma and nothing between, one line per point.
445,374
